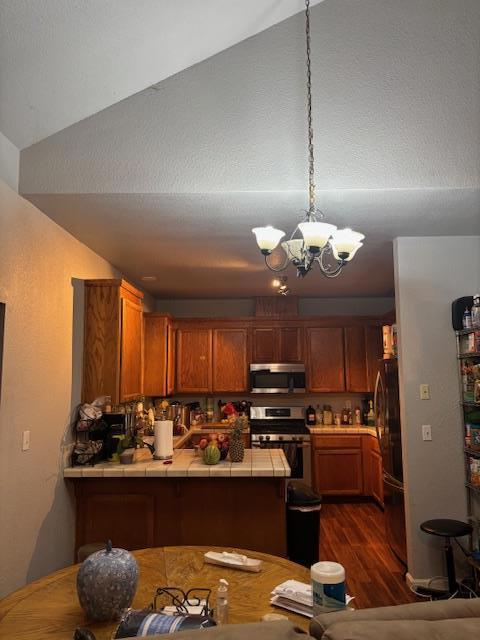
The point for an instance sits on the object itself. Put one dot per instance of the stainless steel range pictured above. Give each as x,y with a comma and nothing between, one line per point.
284,428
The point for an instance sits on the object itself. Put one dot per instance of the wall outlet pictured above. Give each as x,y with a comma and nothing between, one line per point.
424,392
25,440
426,431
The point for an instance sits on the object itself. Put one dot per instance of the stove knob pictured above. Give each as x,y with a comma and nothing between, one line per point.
280,437
260,438
294,438
267,437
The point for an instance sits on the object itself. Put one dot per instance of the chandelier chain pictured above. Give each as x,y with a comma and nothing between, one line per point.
311,161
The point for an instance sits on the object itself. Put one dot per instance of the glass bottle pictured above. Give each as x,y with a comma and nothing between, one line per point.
310,416
319,415
327,414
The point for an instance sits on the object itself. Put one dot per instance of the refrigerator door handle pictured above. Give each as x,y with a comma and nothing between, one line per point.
391,482
375,397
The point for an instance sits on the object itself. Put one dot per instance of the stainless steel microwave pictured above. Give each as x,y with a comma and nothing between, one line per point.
277,378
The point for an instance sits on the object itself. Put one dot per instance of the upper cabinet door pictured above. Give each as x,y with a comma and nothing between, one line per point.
325,353
170,359
374,350
131,368
355,359
265,346
194,360
229,360
291,344
155,355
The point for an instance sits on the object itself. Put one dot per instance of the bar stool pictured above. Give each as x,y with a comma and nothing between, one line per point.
448,529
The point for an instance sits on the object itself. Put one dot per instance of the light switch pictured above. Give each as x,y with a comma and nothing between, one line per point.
424,392
426,431
26,441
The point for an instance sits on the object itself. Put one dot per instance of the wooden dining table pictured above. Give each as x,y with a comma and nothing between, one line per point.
48,609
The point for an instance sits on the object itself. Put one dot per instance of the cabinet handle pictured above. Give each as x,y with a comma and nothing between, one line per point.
203,357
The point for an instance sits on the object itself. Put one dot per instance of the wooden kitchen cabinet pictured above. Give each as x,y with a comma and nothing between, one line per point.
113,341
325,359
291,344
355,360
374,353
373,469
337,465
264,344
158,376
194,360
277,344
229,362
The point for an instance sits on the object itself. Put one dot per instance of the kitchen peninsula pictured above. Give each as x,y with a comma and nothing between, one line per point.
152,504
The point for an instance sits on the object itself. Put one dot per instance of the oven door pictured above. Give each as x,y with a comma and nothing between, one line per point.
298,455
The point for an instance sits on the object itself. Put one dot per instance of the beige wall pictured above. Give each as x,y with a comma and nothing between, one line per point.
41,385
429,274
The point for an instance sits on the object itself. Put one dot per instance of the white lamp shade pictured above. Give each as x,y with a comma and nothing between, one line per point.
316,234
293,249
353,250
346,241
267,237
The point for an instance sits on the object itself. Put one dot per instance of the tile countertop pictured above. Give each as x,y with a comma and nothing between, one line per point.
333,430
257,463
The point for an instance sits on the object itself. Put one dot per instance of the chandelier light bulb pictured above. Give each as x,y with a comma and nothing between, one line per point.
267,238
316,234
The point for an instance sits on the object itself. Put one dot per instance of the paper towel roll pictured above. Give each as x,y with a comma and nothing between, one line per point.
163,439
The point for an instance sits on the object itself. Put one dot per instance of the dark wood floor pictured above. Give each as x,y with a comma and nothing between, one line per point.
354,535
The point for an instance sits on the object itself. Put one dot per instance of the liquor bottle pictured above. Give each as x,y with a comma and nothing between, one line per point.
310,417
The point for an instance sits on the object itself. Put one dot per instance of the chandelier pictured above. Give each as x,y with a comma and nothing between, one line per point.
313,240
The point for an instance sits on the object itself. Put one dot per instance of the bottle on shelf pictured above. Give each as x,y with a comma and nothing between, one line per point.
344,415
467,319
475,312
319,415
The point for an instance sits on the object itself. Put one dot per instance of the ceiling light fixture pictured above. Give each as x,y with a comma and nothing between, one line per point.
319,242
281,285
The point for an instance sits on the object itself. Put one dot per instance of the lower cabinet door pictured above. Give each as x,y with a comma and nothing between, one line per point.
338,471
126,519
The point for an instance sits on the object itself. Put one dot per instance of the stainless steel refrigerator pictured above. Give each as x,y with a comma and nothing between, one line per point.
387,418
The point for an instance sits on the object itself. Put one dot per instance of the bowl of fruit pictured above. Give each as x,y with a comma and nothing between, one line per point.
214,448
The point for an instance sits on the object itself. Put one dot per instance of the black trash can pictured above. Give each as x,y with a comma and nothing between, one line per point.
303,523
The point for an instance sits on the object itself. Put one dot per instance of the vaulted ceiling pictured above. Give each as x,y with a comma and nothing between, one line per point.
169,181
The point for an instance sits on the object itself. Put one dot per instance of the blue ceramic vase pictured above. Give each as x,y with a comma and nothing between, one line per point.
106,583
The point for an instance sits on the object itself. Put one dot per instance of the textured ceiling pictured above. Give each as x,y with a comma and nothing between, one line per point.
170,181
64,60
202,246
